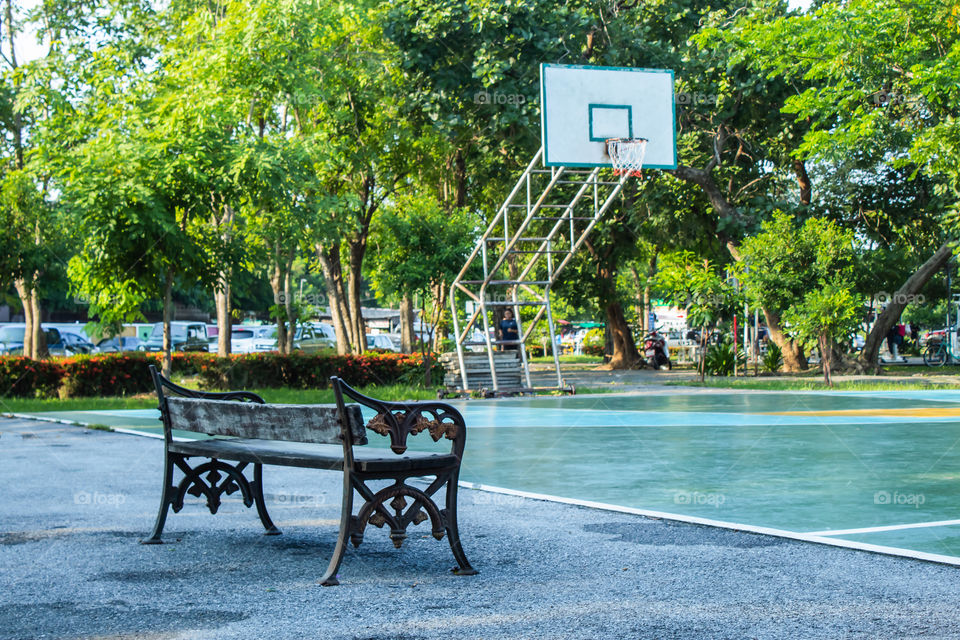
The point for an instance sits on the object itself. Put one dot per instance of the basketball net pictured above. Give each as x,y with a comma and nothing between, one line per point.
626,155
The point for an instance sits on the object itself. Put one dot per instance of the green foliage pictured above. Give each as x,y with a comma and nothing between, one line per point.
720,359
690,283
773,358
787,259
418,245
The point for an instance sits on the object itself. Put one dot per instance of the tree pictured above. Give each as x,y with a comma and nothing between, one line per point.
876,82
419,247
693,284
824,315
803,269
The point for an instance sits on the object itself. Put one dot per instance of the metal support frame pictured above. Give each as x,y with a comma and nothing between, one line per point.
545,219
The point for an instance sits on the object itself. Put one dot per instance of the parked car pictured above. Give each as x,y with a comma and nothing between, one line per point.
327,331
11,339
117,344
380,342
67,343
184,336
306,339
244,339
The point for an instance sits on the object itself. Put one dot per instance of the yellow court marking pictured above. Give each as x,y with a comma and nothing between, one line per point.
928,412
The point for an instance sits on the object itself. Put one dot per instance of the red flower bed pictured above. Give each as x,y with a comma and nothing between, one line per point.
26,378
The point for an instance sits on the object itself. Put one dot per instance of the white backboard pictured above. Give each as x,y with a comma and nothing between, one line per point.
582,106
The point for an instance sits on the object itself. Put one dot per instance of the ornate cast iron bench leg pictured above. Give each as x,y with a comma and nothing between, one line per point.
329,578
453,532
166,498
257,487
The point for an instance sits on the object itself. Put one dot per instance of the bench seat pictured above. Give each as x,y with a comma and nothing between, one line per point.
312,456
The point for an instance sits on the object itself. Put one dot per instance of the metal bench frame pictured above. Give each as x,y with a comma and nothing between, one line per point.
388,506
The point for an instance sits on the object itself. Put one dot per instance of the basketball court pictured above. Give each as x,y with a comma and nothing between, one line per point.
875,470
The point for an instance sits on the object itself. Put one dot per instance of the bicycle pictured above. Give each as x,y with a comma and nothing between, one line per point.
938,353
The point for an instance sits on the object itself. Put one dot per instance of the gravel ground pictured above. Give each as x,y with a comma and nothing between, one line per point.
76,501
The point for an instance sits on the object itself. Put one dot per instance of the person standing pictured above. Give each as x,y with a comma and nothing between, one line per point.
509,330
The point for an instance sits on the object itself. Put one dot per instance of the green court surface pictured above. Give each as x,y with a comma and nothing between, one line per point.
877,468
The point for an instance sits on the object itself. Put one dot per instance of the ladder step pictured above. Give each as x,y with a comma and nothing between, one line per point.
582,182
506,282
530,239
562,218
536,251
478,343
522,303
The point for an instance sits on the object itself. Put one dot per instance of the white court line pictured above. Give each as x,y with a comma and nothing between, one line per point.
891,527
767,531
77,423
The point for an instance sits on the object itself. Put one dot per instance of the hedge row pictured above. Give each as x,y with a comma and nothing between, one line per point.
127,374
306,371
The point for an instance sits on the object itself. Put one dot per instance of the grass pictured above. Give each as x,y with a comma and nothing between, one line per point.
149,401
774,384
570,359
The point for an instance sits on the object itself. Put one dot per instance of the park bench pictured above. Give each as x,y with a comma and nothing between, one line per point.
247,431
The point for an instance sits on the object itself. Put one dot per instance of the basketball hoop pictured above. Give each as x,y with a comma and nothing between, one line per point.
626,155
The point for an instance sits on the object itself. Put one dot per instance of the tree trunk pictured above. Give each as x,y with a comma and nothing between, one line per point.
277,284
333,277
23,291
224,224
803,181
167,365
871,348
625,354
439,316
406,325
39,335
794,359
357,248
289,309
826,359
222,300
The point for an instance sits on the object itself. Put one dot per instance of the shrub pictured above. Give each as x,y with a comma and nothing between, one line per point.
720,358
773,358
26,378
118,374
309,371
128,373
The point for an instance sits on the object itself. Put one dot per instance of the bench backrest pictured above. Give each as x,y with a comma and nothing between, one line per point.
316,423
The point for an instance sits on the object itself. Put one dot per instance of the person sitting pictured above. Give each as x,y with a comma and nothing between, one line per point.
509,330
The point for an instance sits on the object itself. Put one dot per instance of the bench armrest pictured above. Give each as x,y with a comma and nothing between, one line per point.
401,419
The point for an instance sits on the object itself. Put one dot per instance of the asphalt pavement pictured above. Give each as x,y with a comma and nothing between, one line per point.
76,502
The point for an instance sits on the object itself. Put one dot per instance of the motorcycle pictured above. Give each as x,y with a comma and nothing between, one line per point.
655,351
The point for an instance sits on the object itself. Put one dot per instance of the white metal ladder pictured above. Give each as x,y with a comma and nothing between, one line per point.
534,235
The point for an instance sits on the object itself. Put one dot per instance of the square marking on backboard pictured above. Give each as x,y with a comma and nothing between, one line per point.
610,121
